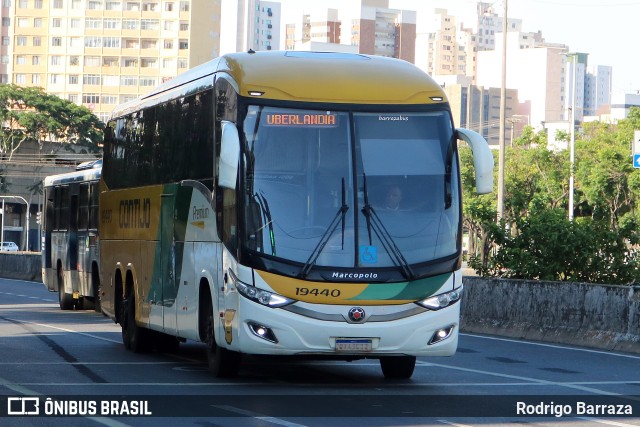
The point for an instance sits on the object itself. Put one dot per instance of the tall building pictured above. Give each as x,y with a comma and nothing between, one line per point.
451,42
369,25
478,108
597,89
249,24
100,53
481,19
318,25
378,30
537,74
443,46
575,69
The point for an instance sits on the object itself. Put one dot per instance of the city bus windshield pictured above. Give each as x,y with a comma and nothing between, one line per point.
350,189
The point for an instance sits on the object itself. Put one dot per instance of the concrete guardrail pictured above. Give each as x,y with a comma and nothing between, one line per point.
601,316
21,266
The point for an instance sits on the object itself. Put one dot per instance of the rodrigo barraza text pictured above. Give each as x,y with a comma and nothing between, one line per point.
579,408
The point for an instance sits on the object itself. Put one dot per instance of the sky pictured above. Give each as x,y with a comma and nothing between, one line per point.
605,29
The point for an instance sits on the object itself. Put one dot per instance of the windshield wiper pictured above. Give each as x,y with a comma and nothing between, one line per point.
389,245
264,206
340,215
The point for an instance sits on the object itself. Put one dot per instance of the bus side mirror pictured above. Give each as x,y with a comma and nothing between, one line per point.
229,156
482,159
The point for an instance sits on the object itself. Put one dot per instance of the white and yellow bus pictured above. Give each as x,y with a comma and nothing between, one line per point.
243,206
70,236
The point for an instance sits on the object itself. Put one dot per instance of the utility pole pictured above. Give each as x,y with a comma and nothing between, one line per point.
572,148
503,112
572,145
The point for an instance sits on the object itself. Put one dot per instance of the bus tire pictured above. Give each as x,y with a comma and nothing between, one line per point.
135,338
65,299
95,285
222,363
398,367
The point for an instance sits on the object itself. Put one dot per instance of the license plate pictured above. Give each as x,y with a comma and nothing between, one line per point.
353,344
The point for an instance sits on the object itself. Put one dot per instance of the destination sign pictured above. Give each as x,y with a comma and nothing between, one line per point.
302,119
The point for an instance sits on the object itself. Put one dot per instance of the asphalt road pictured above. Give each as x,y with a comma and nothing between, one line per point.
77,360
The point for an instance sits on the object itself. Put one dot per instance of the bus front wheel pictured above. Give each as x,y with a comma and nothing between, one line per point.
223,363
65,299
398,367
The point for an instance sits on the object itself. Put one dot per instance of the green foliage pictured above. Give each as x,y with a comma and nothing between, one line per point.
30,113
547,246
535,239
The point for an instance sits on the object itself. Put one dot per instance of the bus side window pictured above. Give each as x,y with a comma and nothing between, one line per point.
94,210
49,214
83,206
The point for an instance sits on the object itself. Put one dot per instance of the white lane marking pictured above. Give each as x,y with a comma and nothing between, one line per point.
453,424
91,363
411,385
607,422
257,416
557,346
521,378
57,328
28,392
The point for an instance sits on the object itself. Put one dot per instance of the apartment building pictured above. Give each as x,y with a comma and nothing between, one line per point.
478,108
597,89
318,25
537,74
369,25
443,53
453,40
249,24
99,53
378,30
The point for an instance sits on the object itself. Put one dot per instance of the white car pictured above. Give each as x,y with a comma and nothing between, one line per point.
9,246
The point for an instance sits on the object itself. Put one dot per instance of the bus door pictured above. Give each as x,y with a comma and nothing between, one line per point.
72,248
47,228
167,264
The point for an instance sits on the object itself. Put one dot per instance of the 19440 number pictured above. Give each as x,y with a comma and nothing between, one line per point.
335,293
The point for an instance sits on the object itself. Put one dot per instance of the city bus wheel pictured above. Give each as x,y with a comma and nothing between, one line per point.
398,367
95,283
135,338
65,299
223,363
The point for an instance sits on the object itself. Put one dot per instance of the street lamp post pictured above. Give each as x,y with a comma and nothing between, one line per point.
4,213
572,123
503,112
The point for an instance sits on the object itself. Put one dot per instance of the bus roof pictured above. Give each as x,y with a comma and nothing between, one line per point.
326,77
85,175
331,77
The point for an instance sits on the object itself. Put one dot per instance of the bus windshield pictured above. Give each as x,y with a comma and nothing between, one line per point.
358,189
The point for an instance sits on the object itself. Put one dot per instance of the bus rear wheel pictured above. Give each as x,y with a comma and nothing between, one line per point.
398,367
64,299
223,363
135,338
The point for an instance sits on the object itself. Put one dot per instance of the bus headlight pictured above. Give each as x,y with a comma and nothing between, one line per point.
446,299
261,296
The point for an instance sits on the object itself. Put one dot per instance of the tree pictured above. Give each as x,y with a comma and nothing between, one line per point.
535,239
28,113
605,175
